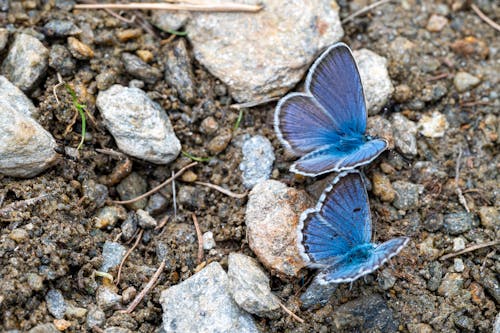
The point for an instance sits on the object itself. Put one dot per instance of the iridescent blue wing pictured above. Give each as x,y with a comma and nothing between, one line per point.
334,82
350,269
303,126
340,221
333,159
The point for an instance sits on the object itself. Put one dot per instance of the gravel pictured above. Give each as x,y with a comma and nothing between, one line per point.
258,158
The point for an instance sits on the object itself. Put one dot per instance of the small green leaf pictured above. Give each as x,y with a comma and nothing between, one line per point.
177,33
195,158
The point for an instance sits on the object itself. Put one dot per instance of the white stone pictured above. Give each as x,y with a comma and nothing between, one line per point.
433,125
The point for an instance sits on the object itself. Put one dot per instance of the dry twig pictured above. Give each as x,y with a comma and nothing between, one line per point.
485,18
5,211
294,316
460,195
364,10
223,190
200,238
162,223
139,237
174,195
470,249
146,289
198,7
157,188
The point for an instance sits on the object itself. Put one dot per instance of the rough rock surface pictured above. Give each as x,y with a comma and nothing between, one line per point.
258,158
264,54
272,215
203,303
140,126
12,97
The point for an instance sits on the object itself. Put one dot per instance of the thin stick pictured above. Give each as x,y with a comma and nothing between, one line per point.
460,195
364,10
485,18
438,77
21,204
223,190
146,289
139,237
470,249
111,152
253,103
174,195
199,236
221,7
162,223
157,188
293,315
60,83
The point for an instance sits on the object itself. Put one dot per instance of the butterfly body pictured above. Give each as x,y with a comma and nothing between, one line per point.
335,236
326,125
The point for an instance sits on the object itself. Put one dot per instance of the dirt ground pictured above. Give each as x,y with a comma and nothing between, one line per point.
60,246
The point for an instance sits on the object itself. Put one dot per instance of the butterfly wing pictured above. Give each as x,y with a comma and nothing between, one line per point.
333,159
340,221
334,82
350,269
302,125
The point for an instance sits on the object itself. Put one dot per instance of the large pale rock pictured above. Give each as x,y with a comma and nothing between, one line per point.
26,62
26,148
272,215
140,126
12,97
377,84
264,54
203,304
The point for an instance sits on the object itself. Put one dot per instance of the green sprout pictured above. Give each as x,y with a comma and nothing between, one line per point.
238,121
177,33
81,109
195,158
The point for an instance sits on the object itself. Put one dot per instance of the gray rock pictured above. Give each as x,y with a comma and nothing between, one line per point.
490,217
107,298
451,285
26,62
258,158
190,197
272,217
108,216
145,220
405,134
386,279
254,68
407,195
458,244
464,81
140,126
317,293
26,148
458,265
107,78
44,328
132,186
496,325
377,84
466,324
55,303
169,21
249,286
208,240
116,329
61,60
95,192
178,71
136,67
436,275
458,223
129,226
12,97
489,281
60,28
157,204
112,255
365,314
4,38
203,303
95,317
433,222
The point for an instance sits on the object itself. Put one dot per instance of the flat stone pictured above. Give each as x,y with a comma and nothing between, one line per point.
44,328
451,285
377,84
133,186
464,81
249,286
490,217
317,293
407,194
26,148
60,28
405,134
26,62
139,125
13,98
272,216
108,216
55,303
458,223
433,125
436,23
112,254
258,158
178,71
208,240
145,220
382,187
231,47
203,304
107,297
139,69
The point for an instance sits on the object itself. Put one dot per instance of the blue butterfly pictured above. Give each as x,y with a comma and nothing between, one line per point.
335,236
326,125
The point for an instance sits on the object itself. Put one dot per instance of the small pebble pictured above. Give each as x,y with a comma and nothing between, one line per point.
209,126
436,275
139,69
107,298
129,226
464,81
258,159
405,134
60,28
490,217
112,254
145,220
458,223
61,60
75,312
157,204
79,50
106,79
178,70
145,55
407,195
35,281
436,23
108,216
382,187
218,144
386,279
208,240
458,244
128,34
55,303
189,176
464,323
458,265
433,125
19,235
95,317
128,295
451,285
62,324
132,186
402,93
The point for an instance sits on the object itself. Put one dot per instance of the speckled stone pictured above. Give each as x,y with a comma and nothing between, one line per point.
55,303
272,215
490,217
112,254
178,71
139,69
464,81
13,98
218,144
458,223
451,285
407,195
132,186
108,216
79,50
258,158
382,187
405,134
433,125
436,23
